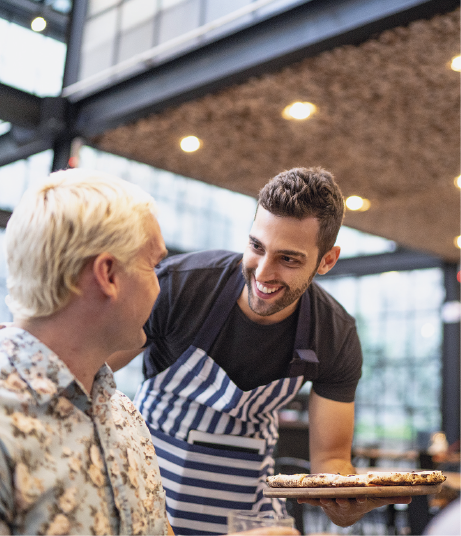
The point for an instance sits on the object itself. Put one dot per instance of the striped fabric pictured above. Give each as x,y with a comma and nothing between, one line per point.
202,484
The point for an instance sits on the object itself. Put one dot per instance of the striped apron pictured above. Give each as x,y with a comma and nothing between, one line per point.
203,483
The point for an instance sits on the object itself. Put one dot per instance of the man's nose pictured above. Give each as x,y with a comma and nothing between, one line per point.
265,270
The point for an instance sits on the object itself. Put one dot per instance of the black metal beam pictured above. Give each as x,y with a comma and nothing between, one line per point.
22,12
37,123
11,150
19,107
303,31
74,41
402,259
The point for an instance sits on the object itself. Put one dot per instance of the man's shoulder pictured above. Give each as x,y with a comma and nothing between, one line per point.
217,260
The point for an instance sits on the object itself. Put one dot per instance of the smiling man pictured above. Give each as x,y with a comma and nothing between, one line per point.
232,339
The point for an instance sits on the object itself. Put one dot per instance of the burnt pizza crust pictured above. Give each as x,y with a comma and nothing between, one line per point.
403,478
319,480
372,478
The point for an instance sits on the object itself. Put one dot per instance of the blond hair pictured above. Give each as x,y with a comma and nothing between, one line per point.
59,226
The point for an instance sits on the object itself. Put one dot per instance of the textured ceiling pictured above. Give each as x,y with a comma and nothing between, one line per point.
387,126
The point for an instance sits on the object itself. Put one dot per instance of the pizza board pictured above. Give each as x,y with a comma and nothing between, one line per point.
352,492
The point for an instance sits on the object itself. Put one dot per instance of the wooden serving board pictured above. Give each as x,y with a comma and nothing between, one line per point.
351,492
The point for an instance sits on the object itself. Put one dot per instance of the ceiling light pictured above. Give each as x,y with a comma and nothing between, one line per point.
457,242
38,24
458,181
299,110
355,202
189,144
456,63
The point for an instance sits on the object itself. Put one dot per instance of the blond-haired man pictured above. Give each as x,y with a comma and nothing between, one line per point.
75,454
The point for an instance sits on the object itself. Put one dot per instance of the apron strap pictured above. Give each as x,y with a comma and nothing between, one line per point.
220,310
305,361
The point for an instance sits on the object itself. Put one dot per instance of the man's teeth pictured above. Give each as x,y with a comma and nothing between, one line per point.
264,289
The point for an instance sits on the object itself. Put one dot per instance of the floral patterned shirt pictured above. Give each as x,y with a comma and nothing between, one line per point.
71,464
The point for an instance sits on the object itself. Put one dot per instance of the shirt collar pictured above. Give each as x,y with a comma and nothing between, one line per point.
43,371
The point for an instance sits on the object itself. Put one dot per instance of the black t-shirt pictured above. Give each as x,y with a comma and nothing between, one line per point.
269,349
190,284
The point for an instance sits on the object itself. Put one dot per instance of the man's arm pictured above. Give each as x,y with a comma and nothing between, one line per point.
331,430
331,427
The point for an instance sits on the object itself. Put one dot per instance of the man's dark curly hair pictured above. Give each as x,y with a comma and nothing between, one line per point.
307,193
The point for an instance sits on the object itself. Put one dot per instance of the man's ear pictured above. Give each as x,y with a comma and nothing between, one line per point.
329,260
105,272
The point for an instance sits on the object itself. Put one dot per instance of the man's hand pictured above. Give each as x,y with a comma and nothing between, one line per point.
346,512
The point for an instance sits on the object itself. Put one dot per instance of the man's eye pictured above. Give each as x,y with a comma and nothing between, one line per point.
289,260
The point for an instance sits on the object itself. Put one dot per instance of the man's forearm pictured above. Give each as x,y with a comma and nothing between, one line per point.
333,465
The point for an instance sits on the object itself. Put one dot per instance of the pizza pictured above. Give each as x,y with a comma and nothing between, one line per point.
372,478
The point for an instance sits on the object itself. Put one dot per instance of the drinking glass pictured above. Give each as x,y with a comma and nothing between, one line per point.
240,520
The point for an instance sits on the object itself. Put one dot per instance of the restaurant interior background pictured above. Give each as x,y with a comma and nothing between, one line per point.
117,84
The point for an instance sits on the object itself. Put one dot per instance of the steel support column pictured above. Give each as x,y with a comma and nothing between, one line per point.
451,358
63,142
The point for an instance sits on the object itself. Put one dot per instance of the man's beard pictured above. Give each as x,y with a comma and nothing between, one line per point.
290,295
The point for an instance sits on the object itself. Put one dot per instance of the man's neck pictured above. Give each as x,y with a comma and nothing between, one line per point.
81,356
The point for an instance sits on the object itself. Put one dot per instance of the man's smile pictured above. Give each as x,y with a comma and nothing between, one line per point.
265,290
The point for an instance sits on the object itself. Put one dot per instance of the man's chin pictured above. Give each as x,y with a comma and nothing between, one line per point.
263,309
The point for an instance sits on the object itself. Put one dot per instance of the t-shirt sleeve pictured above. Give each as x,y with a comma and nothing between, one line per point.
345,371
189,285
336,343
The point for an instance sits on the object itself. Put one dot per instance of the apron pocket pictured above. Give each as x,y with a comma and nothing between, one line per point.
202,483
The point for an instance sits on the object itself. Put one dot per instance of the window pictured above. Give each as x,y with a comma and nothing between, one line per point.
400,329
30,61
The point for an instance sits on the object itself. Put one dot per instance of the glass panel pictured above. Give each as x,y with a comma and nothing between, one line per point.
100,30
15,178
4,127
136,40
5,315
354,243
179,19
398,397
215,10
135,12
63,6
30,61
166,4
130,377
186,206
97,6
11,189
97,59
